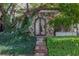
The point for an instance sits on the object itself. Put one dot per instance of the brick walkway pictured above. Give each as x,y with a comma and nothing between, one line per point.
40,49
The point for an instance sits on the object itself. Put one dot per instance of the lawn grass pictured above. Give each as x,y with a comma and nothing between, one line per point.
63,46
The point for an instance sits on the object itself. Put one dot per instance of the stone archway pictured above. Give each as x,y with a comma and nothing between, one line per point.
40,26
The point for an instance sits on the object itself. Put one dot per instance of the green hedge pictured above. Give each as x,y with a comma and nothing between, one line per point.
63,46
16,43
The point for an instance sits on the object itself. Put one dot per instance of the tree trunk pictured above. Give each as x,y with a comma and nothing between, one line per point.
1,18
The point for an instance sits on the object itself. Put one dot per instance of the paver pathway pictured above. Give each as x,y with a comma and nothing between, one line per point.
40,49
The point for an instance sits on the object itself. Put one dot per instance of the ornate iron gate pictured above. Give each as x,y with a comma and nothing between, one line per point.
40,26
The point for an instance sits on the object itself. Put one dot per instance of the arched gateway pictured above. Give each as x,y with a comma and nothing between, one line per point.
40,26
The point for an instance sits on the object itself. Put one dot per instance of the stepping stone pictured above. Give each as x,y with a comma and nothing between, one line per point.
40,49
39,54
39,44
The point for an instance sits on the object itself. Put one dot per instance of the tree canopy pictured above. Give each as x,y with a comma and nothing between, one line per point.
12,12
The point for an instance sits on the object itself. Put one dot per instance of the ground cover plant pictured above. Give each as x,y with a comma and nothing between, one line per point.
63,46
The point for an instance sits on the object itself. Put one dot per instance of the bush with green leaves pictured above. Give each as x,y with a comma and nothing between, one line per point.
62,21
17,43
63,46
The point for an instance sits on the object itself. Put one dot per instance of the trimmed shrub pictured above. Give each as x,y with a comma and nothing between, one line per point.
63,46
